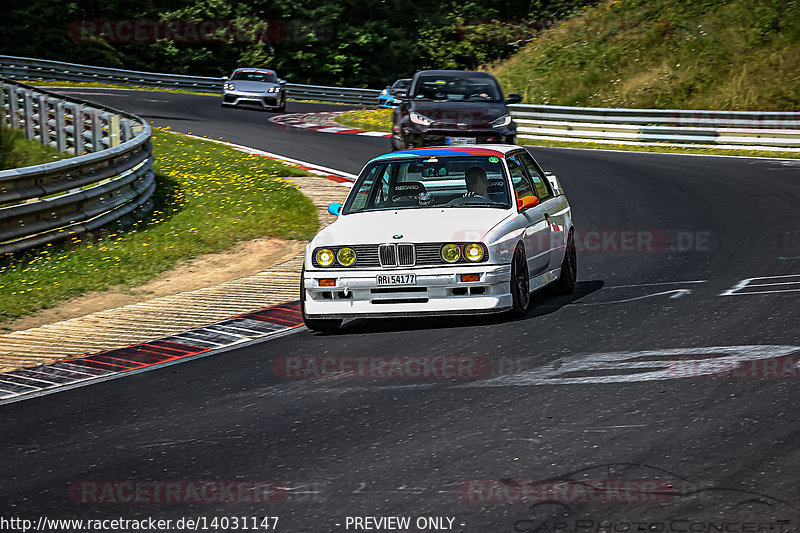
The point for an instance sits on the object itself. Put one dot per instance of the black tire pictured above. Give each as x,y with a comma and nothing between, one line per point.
282,107
320,325
520,283
569,268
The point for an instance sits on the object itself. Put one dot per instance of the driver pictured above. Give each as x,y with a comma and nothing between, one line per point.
477,183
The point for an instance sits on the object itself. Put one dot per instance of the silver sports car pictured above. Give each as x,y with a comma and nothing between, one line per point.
258,87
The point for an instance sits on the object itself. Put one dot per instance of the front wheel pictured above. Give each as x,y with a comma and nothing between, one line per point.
321,325
520,283
569,268
282,107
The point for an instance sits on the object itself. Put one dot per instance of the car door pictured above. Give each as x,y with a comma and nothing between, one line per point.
536,236
556,208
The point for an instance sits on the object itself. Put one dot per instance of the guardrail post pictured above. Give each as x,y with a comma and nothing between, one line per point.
3,99
27,114
44,117
113,130
60,126
96,128
13,107
77,129
127,134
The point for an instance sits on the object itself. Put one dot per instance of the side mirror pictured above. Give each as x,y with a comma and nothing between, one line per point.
514,99
281,81
526,202
335,208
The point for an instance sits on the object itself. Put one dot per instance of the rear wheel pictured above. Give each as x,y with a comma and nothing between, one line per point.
569,268
321,325
520,283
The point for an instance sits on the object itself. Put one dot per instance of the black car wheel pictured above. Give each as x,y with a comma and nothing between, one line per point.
569,268
321,325
282,106
520,283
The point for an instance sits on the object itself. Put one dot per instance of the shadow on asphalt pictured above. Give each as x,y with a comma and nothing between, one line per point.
542,303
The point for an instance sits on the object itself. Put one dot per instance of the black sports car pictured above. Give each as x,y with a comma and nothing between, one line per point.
450,107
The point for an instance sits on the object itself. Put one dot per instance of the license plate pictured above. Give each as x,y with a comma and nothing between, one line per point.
397,279
460,140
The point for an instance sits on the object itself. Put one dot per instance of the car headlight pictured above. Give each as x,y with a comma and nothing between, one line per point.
422,120
325,257
473,252
346,256
229,86
499,122
451,253
273,89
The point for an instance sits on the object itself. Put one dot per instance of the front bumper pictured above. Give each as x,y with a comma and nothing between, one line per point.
438,137
438,291
267,100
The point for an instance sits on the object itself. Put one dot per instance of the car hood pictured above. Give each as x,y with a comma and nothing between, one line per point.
444,112
252,86
456,224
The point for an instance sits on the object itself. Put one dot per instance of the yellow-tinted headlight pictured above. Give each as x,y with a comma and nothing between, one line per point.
346,256
325,257
473,252
450,253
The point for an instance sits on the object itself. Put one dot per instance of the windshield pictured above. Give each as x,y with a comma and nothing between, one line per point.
457,88
254,75
469,181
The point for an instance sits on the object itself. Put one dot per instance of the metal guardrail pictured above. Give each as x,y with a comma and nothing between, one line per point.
752,130
765,130
25,68
109,176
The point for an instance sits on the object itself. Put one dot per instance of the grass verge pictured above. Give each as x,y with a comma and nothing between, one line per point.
367,119
208,198
669,54
97,85
17,151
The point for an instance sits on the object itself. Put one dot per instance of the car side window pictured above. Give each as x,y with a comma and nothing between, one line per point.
519,178
540,184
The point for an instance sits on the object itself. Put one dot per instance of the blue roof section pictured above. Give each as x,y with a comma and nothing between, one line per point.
433,152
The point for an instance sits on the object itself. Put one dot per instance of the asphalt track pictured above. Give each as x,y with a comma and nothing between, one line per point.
724,449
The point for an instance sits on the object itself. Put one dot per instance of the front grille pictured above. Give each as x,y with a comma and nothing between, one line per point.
405,254
387,255
394,255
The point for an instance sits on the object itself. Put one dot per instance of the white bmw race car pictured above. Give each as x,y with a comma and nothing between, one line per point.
447,230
